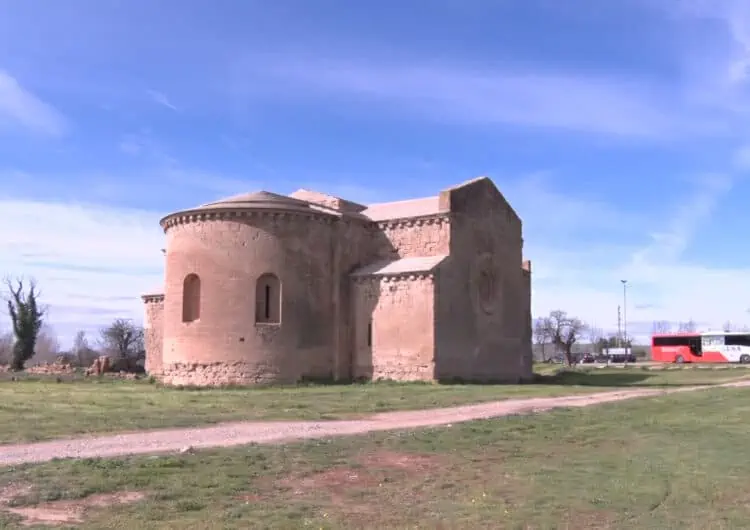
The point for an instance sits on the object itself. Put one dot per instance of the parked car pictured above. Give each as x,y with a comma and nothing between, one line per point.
622,358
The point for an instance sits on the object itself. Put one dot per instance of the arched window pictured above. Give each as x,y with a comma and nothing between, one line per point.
268,299
191,298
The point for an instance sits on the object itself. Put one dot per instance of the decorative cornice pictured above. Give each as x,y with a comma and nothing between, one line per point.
153,298
408,222
202,215
395,277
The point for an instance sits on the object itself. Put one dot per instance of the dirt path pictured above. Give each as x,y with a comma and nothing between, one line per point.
270,432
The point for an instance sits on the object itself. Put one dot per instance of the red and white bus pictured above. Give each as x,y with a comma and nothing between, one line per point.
709,347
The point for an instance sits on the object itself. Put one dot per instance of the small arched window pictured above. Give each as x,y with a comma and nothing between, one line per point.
191,298
268,299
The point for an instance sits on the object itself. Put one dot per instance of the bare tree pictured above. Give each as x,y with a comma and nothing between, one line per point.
6,348
727,326
123,340
566,331
595,337
47,345
687,327
542,333
83,353
661,326
26,316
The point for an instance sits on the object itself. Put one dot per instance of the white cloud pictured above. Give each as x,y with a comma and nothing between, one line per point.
662,285
161,99
91,262
19,107
595,104
716,61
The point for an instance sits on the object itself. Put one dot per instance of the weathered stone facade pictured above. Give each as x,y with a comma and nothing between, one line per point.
265,288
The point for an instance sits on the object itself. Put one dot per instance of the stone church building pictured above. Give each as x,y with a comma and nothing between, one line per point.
266,288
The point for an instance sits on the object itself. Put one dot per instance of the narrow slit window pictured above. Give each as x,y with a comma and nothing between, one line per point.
268,299
268,302
369,333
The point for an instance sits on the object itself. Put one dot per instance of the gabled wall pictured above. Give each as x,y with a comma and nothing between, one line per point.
482,317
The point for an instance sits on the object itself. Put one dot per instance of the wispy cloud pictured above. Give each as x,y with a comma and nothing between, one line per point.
606,105
91,262
695,208
717,63
161,99
21,108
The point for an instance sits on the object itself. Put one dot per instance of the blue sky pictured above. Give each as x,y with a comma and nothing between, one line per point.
618,130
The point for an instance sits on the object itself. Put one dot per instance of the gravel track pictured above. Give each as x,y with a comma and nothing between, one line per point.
274,432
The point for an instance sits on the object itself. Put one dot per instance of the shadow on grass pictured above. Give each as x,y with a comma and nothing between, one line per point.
632,377
623,378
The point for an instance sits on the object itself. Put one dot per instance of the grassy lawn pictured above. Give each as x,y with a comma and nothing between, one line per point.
666,462
33,409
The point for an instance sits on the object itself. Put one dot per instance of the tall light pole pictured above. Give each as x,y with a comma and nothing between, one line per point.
625,313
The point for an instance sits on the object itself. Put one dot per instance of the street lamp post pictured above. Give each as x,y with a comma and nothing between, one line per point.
625,316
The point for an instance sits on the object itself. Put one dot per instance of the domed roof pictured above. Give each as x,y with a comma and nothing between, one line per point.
257,200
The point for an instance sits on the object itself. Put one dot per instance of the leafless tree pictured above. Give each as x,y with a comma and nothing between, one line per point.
688,327
727,326
566,331
123,340
595,335
542,333
661,326
47,345
6,347
83,353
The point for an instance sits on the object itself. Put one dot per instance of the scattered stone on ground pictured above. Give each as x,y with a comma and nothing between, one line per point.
59,366
99,366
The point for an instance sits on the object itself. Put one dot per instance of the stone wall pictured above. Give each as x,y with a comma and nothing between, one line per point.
400,314
229,253
153,324
482,297
527,354
406,238
356,243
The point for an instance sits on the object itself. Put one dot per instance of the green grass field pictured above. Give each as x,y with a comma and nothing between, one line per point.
33,409
666,462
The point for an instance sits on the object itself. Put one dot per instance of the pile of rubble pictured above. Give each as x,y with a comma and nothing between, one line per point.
59,366
104,365
63,365
100,366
